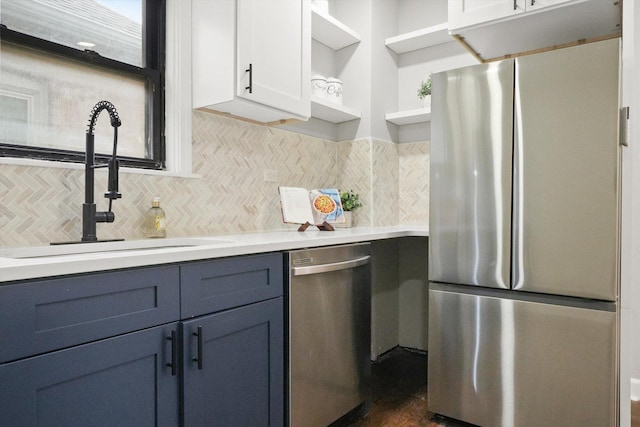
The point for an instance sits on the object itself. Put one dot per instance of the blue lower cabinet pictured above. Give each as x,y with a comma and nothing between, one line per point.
116,349
120,381
234,367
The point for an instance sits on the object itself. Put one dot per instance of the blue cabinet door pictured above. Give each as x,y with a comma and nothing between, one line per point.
233,367
120,381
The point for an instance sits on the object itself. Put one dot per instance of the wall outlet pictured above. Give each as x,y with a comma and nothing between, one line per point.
270,175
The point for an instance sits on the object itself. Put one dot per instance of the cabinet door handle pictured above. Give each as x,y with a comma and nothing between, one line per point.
250,71
533,2
174,353
515,4
199,356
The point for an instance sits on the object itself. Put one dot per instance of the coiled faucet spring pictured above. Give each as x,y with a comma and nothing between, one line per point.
95,112
89,215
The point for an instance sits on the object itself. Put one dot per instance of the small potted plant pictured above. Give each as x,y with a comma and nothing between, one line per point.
350,201
424,92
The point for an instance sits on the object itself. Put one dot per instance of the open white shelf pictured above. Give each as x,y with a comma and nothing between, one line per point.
419,39
330,32
420,115
332,112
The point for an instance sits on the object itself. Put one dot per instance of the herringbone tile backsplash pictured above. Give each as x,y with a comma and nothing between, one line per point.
41,205
413,176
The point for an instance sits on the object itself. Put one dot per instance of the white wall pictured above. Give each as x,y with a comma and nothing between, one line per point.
354,63
416,66
384,70
416,14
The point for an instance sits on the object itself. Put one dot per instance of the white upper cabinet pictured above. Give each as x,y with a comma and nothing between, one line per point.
251,58
494,29
464,13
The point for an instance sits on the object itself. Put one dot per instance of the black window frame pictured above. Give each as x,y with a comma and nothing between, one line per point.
152,72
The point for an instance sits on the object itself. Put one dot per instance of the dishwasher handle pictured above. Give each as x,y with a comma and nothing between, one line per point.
334,266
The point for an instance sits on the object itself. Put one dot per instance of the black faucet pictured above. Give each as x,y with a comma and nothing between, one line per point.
89,215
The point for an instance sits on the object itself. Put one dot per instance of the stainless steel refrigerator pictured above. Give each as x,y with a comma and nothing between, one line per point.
524,240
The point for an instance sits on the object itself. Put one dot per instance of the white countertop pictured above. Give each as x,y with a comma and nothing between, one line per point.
25,263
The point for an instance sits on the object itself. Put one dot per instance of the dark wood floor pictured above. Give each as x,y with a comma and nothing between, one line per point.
399,394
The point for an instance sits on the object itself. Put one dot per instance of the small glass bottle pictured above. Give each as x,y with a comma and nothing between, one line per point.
155,221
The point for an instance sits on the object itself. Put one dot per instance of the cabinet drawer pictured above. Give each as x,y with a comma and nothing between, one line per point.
220,284
46,315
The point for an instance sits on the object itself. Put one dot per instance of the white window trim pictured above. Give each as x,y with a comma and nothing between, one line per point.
178,111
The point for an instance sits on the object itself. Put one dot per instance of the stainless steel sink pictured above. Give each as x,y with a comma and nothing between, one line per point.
100,247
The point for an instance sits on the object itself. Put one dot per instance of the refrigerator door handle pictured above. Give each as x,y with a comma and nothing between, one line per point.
624,126
517,262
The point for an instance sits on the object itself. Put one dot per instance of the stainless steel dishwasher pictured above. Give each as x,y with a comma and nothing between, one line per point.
329,333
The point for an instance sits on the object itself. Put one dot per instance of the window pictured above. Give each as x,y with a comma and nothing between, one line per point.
58,58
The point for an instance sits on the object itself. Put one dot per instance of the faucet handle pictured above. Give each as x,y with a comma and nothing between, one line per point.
112,195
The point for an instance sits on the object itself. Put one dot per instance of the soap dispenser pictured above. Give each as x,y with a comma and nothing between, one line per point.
154,225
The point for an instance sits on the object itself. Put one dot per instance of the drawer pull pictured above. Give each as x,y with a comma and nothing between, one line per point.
199,357
174,353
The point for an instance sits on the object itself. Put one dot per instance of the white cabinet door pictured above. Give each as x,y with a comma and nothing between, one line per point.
464,13
272,38
274,42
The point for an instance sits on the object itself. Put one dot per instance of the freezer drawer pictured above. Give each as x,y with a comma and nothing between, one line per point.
503,362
